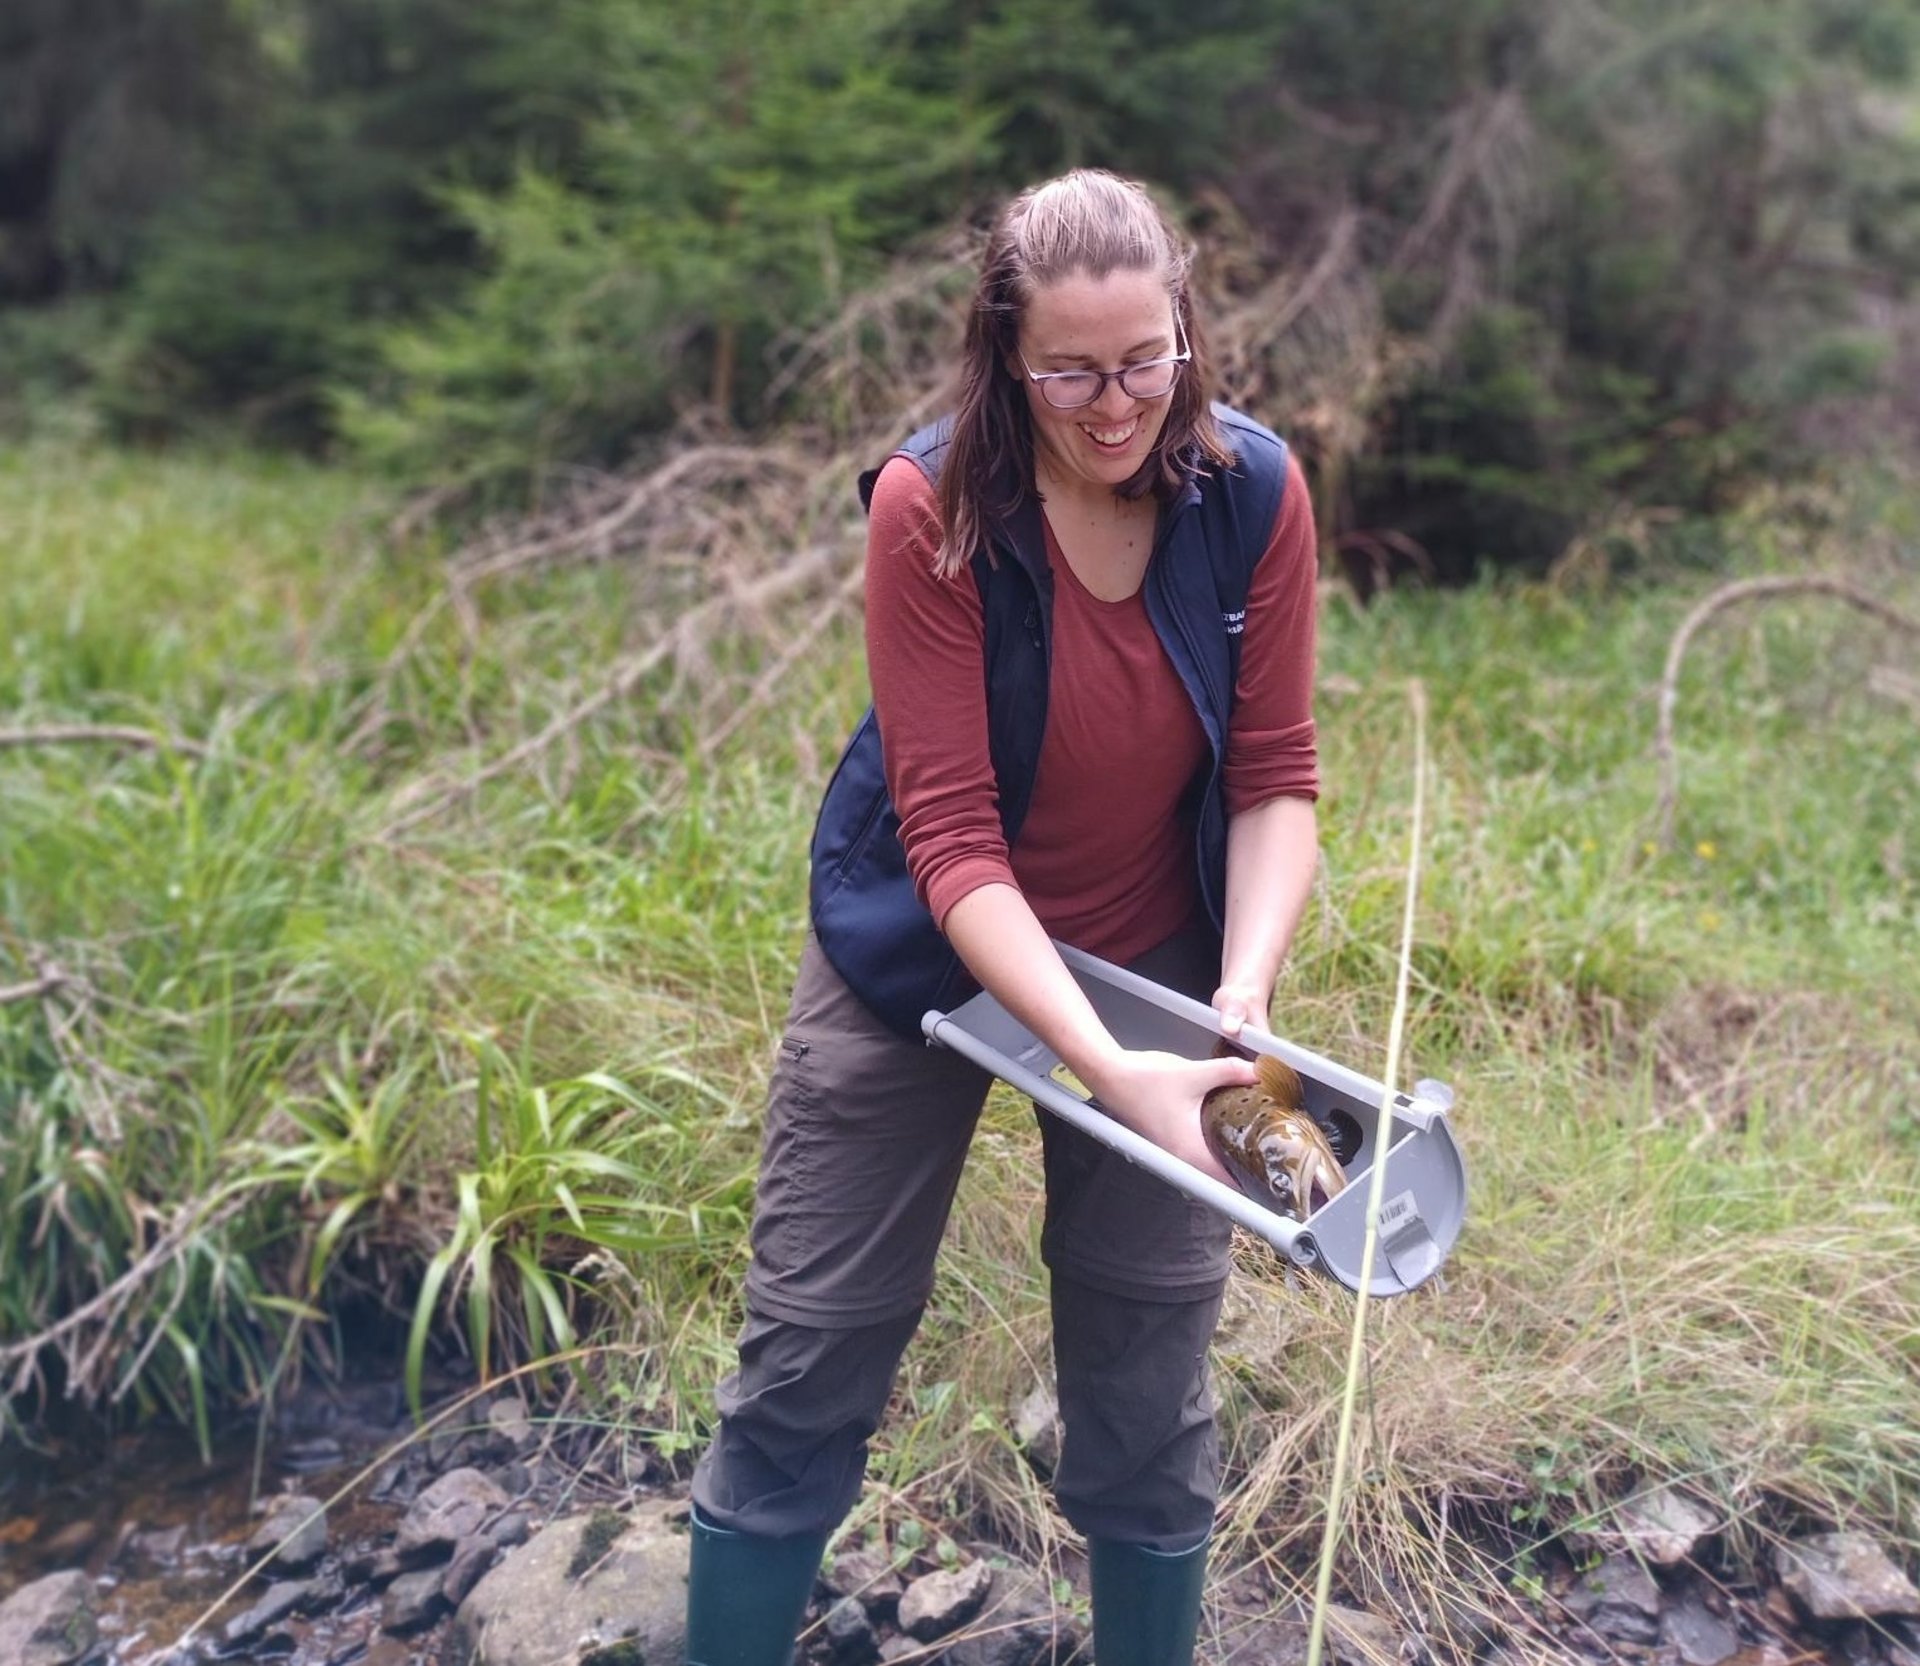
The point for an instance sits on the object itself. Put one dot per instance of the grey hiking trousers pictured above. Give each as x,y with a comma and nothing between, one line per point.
866,1134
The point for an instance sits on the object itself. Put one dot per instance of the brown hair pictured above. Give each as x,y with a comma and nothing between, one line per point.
1085,223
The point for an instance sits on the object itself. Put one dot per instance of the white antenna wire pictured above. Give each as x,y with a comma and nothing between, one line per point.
1376,1191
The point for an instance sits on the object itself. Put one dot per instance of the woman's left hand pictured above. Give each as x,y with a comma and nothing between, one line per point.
1239,1004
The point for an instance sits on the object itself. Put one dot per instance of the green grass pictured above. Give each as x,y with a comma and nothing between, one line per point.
500,1073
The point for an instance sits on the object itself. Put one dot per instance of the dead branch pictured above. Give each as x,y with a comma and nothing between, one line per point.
1342,130
45,984
1477,133
99,1089
1730,595
598,539
1283,302
907,324
421,511
107,1306
1891,683
769,681
378,701
685,634
113,734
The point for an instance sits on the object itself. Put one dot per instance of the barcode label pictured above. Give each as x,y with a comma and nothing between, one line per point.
1397,1209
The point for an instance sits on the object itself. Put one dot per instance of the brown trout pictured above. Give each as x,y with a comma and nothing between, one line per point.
1267,1140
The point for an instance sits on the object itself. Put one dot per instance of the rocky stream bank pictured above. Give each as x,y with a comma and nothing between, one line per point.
512,1542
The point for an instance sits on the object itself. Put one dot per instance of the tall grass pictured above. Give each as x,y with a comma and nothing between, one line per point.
498,1074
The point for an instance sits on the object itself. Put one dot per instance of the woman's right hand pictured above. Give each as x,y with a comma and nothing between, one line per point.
1158,1095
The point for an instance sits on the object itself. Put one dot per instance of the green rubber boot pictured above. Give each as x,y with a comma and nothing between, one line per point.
746,1594
1146,1603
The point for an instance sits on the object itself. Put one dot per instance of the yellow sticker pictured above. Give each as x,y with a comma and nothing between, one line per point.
1072,1083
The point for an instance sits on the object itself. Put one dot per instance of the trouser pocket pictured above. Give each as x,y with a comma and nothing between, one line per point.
866,1135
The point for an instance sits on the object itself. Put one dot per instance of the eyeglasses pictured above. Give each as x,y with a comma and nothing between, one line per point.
1068,390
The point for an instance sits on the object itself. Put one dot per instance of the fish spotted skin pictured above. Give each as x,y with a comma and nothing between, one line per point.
1265,1137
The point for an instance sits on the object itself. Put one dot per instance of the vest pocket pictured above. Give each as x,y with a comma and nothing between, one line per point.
863,830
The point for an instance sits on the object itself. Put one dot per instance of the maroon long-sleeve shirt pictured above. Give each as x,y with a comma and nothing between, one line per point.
1105,856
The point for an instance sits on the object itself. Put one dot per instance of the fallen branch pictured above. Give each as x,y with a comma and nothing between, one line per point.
769,680
598,538
1285,301
45,984
108,1305
113,734
1729,595
1890,683
628,674
379,710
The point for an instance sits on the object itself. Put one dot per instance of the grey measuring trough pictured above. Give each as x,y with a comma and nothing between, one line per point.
1426,1181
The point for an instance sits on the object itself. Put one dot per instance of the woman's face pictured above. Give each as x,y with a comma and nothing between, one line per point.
1083,323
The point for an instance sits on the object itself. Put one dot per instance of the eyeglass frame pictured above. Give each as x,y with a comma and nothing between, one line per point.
1184,356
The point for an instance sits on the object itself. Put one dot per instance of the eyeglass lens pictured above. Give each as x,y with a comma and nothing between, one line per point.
1082,387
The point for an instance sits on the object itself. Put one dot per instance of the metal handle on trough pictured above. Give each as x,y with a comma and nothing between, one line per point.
1289,1237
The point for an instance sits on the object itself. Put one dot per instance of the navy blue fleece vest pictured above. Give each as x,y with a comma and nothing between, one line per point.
876,932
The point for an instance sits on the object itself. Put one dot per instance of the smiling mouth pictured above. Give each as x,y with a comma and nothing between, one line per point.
1112,439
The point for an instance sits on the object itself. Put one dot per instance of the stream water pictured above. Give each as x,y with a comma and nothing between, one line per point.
162,1529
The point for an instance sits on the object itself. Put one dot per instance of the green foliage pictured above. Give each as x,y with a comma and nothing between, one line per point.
1625,252
559,1171
49,361
1123,84
554,352
352,1153
1625,249
318,228
109,110
744,168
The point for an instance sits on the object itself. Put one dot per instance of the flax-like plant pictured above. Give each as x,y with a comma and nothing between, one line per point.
353,1152
559,1170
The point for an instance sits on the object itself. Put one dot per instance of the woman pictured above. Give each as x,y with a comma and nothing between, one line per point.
1090,613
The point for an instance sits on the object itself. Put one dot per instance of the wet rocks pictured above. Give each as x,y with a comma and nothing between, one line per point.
850,1635
608,1586
449,1538
311,1457
412,1601
868,1576
1015,1624
1844,1576
48,1623
1357,1636
471,1560
294,1533
510,1431
1901,1642
1651,1582
1662,1526
985,1611
280,1601
1353,1638
1619,1600
1697,1635
460,1505
546,1603
503,1431
937,1603
160,1547
441,1548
